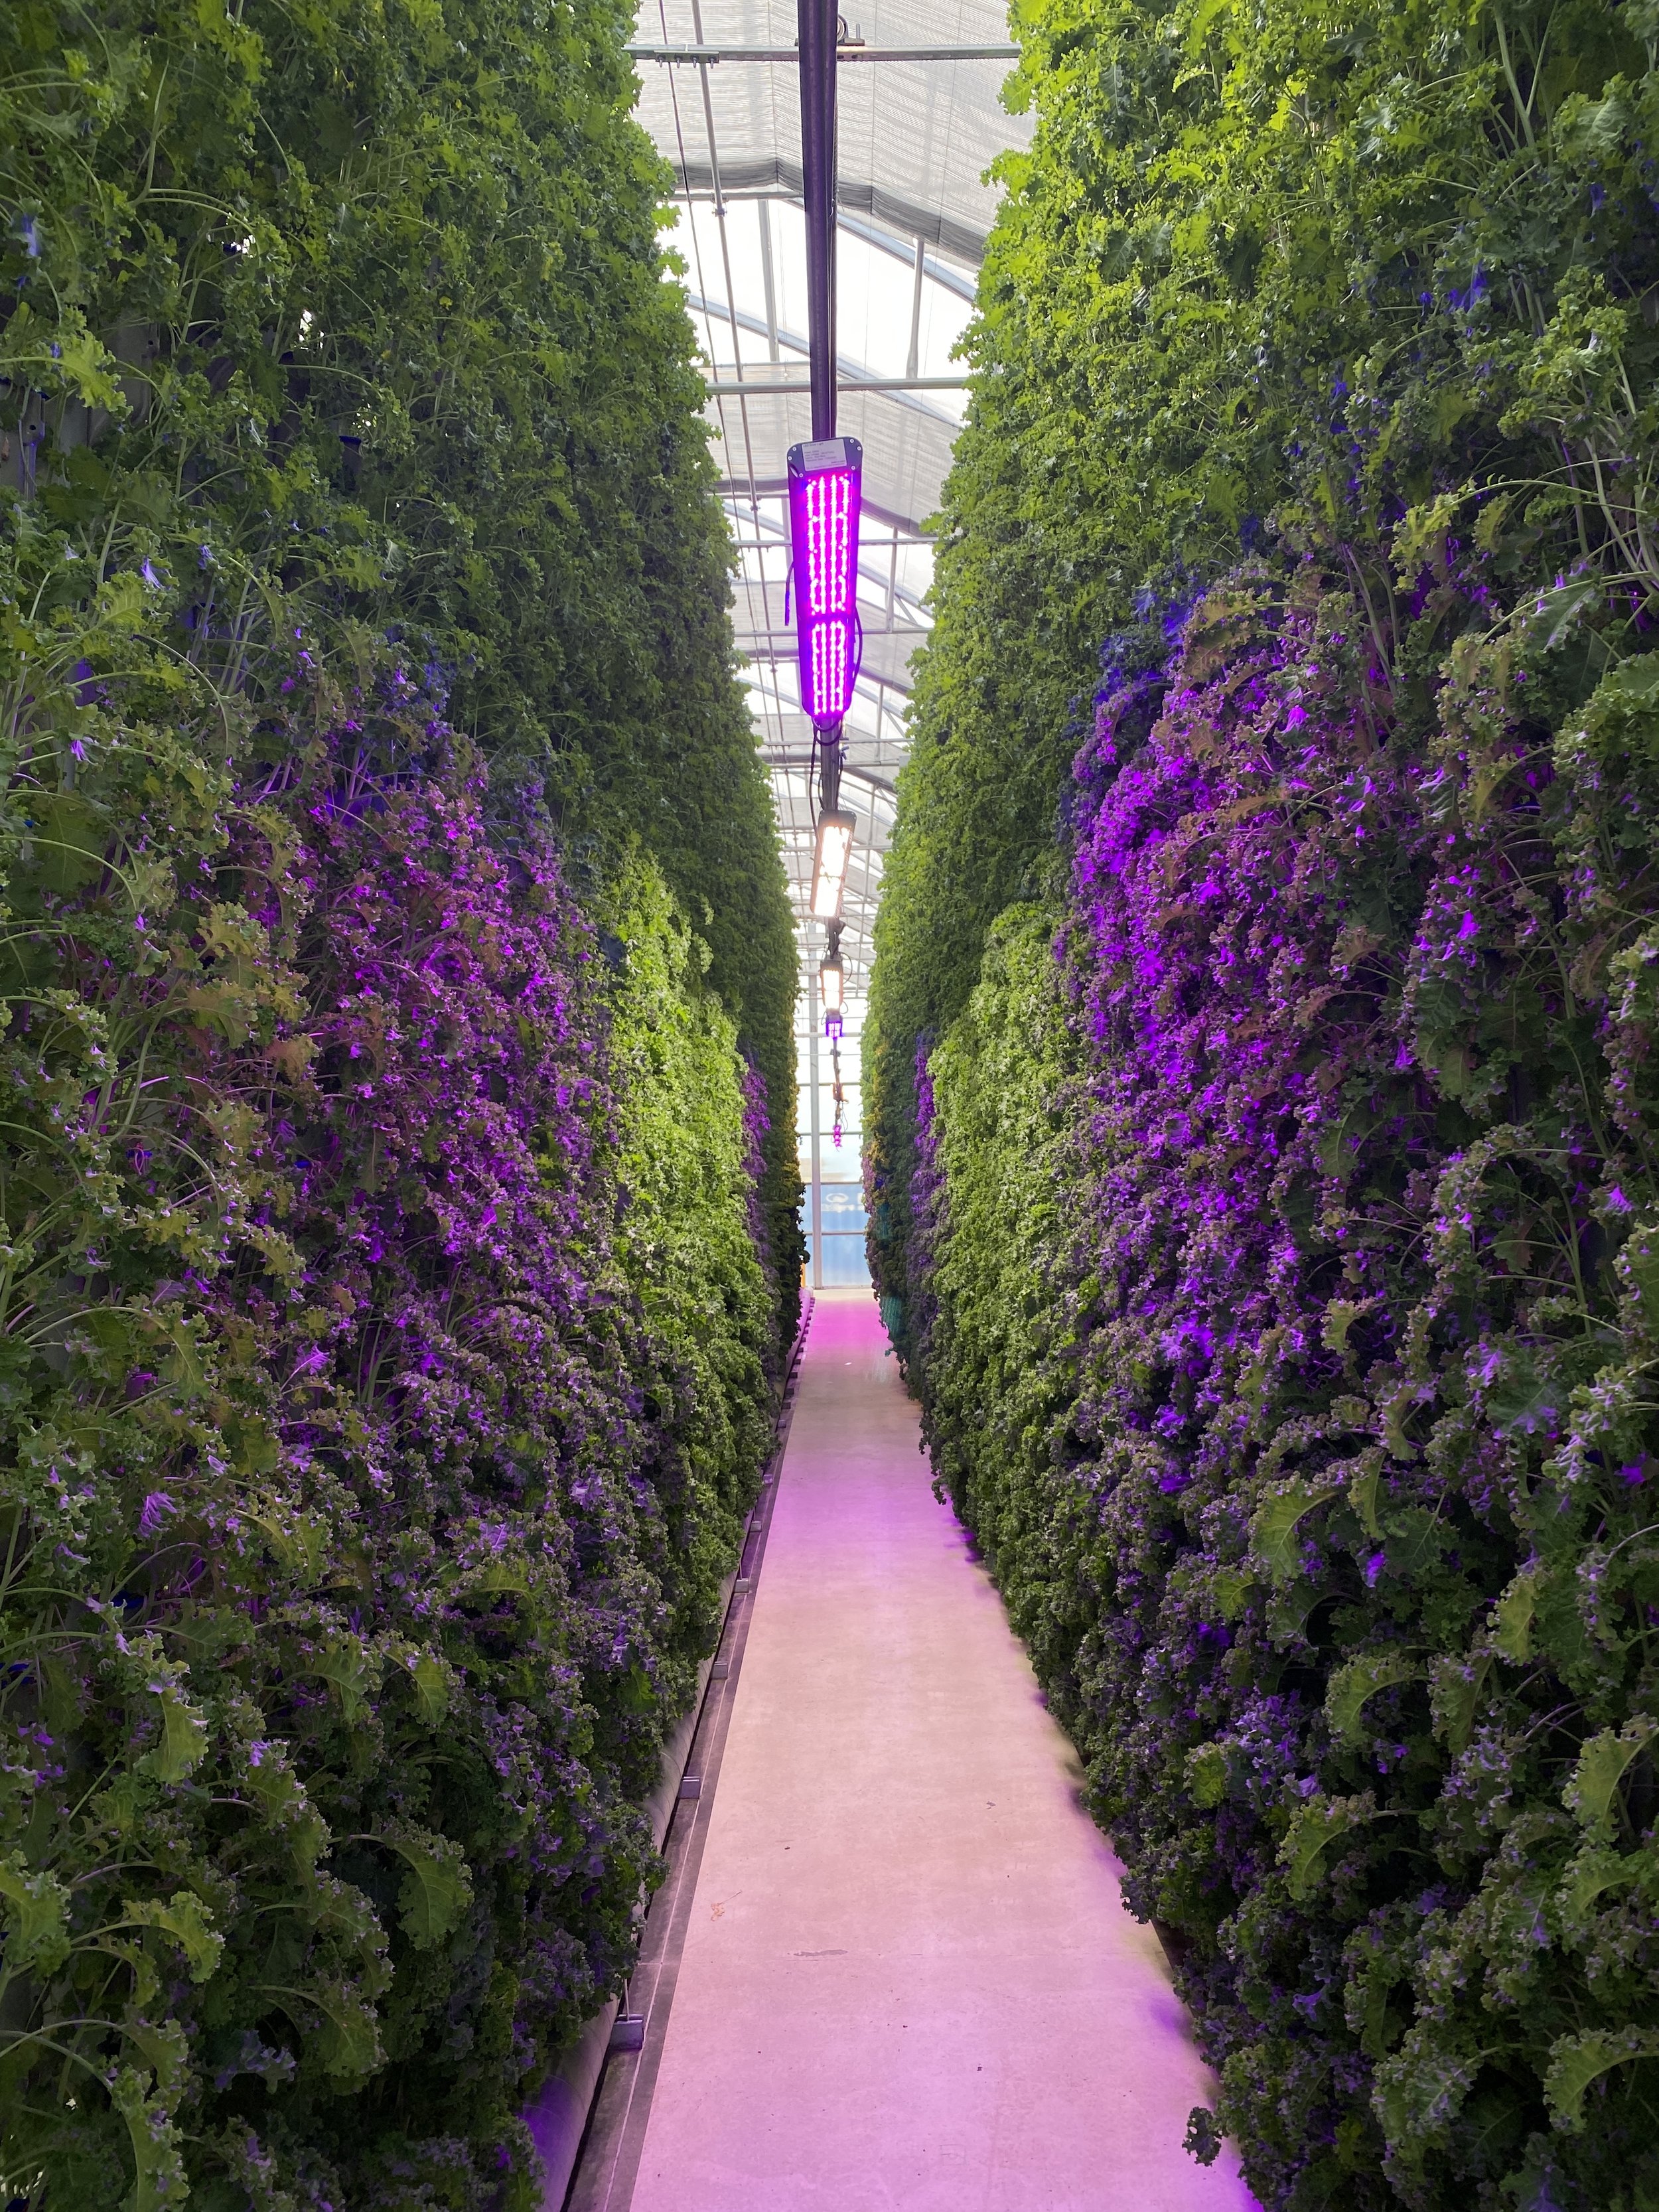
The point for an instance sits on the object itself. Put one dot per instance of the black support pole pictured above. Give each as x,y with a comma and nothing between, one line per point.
817,22
818,27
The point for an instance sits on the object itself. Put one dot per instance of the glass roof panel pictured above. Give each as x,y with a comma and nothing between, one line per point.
914,140
916,137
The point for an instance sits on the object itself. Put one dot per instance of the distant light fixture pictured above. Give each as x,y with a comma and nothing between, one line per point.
832,1025
831,983
835,843
824,481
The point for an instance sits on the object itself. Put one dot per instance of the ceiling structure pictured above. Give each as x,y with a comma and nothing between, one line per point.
919,120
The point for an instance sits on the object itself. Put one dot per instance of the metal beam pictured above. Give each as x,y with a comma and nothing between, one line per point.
885,241
912,357
771,176
734,488
870,629
768,283
871,234
780,542
805,761
797,390
782,659
741,320
783,654
898,599
704,56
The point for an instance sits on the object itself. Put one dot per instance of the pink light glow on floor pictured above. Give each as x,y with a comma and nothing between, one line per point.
908,1979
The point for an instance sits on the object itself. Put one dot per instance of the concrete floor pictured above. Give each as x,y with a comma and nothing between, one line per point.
908,1980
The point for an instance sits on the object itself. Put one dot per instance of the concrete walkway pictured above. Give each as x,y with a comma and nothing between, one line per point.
907,1979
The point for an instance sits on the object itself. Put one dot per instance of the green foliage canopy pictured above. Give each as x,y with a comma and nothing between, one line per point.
353,315
1264,1208
1269,275
382,1382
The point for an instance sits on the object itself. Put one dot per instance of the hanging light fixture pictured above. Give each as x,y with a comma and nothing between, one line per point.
834,844
831,983
825,480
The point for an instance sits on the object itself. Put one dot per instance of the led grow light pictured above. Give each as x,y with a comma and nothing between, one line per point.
831,983
834,844
824,478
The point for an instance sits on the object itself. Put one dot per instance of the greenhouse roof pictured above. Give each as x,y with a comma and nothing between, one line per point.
920,121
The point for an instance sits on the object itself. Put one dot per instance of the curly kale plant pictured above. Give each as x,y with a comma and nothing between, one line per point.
1261,1172
362,1531
1268,279
386,1314
1288,1344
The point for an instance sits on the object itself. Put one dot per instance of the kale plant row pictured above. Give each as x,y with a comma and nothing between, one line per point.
396,1160
1267,1198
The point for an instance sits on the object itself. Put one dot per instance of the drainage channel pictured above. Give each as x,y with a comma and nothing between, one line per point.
608,2159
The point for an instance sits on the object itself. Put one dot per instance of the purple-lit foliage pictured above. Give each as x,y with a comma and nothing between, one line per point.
363,1515
1287,1249
1278,1288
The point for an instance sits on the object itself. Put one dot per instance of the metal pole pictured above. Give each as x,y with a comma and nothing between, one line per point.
828,745
816,1140
913,358
768,281
815,19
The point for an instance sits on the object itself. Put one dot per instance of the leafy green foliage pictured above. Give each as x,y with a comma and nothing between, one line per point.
365,1517
381,1385
1267,1220
684,1147
1277,275
354,316
1285,1340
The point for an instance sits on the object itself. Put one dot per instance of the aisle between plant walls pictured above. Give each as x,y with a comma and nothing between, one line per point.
1263,1169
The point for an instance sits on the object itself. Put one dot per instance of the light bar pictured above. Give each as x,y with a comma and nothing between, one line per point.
834,844
831,978
824,482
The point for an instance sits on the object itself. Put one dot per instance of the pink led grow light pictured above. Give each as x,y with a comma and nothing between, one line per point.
825,480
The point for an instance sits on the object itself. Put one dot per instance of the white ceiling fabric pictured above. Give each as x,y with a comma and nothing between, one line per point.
916,137
907,449
914,140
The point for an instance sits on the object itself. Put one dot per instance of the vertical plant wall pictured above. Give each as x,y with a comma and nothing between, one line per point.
396,1202
355,317
1269,1194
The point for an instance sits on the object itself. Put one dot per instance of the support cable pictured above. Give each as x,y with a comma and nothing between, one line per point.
702,299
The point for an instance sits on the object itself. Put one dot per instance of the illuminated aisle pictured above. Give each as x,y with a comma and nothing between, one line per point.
908,1979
